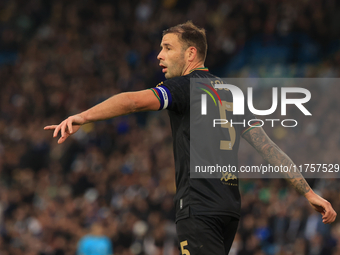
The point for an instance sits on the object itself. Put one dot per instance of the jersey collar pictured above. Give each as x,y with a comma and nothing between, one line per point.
205,69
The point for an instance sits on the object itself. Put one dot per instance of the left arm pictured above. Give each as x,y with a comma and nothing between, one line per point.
276,157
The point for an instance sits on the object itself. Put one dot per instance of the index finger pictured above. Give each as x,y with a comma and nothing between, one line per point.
50,127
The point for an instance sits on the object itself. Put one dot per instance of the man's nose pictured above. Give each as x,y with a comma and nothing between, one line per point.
160,55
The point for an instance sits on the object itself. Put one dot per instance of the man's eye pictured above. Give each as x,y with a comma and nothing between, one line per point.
167,48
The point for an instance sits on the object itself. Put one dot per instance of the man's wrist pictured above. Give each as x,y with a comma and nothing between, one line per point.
83,116
309,194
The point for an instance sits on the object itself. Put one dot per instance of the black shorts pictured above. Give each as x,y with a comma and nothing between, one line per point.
206,235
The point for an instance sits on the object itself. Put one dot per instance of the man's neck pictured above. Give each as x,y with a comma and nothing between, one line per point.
191,67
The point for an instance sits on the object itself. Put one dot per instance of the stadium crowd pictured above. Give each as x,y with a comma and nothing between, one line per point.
61,57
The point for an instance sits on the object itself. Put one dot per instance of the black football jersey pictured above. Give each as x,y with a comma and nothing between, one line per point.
202,196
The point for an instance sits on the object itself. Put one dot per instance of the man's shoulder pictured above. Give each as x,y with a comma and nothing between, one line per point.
185,79
175,81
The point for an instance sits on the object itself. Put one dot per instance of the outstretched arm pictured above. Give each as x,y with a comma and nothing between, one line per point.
120,104
276,157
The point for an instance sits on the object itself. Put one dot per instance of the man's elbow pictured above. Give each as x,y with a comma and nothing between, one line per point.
141,101
132,103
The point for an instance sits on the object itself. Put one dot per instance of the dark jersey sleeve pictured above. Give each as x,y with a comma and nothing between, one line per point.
173,94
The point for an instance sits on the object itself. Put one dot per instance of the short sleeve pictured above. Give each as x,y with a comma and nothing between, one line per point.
173,94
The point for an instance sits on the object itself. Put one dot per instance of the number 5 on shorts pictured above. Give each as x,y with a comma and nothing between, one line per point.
184,251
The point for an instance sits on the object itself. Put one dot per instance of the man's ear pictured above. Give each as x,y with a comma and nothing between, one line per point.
191,53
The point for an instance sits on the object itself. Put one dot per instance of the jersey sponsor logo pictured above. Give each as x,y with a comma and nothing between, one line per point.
226,177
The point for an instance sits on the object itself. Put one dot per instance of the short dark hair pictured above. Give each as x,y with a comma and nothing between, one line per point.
191,35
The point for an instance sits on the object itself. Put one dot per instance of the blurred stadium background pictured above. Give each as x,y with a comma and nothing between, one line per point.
58,58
